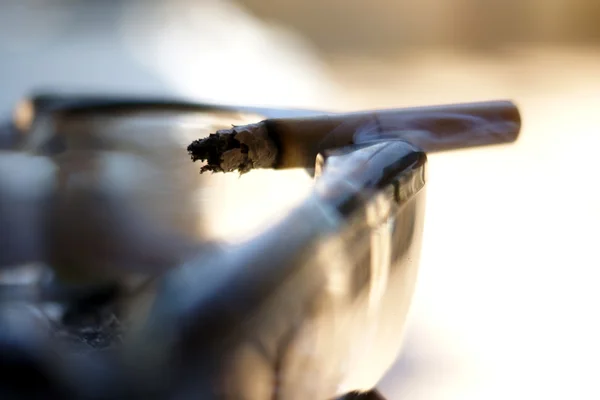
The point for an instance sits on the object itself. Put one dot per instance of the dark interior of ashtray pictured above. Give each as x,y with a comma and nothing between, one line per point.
233,208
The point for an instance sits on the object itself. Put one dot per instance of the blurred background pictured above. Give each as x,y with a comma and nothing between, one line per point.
507,293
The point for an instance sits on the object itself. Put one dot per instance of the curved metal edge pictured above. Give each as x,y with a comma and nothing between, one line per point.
258,292
56,101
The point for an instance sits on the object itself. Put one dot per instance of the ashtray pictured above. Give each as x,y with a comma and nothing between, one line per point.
280,267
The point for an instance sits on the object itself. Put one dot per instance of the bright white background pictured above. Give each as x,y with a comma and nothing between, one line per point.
507,302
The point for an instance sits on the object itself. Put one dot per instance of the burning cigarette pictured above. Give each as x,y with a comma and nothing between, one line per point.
295,142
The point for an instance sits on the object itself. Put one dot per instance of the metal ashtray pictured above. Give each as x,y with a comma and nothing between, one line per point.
289,282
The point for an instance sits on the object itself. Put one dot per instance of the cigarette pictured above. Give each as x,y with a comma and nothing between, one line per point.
281,143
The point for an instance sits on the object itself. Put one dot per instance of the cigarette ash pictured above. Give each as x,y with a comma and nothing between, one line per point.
240,148
94,330
90,321
59,354
212,148
89,324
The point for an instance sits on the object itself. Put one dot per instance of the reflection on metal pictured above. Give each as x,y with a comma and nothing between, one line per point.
378,217
23,115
